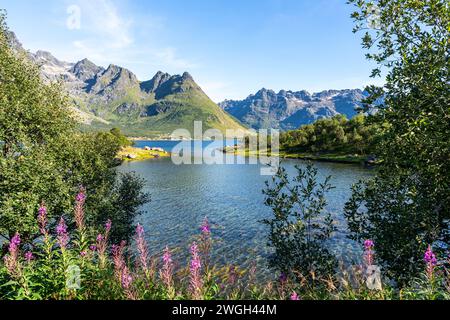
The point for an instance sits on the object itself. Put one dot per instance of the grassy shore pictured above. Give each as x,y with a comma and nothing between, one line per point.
324,157
137,154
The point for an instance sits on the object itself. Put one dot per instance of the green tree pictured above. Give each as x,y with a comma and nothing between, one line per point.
300,225
43,157
123,140
406,206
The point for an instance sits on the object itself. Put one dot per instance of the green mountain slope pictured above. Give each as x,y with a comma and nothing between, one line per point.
114,97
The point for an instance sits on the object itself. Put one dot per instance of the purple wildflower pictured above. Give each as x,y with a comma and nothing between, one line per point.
108,226
205,242
118,260
63,235
102,243
368,252
83,254
93,248
431,261
283,277
368,244
29,256
294,296
12,259
430,257
42,219
167,257
81,196
232,275
126,280
80,200
14,244
166,273
205,227
196,282
143,251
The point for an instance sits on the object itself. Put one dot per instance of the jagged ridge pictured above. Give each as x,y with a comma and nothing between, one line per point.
289,110
115,97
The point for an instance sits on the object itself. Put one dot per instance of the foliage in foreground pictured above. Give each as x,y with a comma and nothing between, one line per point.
80,265
406,205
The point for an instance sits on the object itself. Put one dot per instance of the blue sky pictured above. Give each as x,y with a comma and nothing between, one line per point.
232,47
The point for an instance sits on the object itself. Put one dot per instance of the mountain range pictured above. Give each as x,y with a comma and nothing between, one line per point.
114,97
288,110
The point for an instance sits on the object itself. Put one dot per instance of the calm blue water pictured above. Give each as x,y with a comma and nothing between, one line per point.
231,197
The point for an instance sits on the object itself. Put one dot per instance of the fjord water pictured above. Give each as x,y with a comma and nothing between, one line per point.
231,197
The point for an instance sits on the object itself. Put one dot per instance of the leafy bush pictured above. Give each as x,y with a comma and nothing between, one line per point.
300,226
406,205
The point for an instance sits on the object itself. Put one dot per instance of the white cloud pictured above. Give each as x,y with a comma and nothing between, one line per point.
101,18
108,35
168,57
216,90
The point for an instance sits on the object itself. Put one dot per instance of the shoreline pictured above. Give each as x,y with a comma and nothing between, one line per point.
330,158
129,154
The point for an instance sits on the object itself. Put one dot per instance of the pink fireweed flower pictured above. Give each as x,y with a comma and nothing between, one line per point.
205,227
29,256
118,259
294,296
126,281
63,235
14,244
12,258
368,244
83,254
126,278
42,219
205,241
283,278
166,273
431,261
108,226
80,200
142,249
368,252
232,275
167,257
102,244
195,277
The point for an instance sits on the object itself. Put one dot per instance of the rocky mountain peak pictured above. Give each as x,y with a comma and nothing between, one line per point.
86,70
45,57
152,85
115,97
187,76
15,44
290,110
